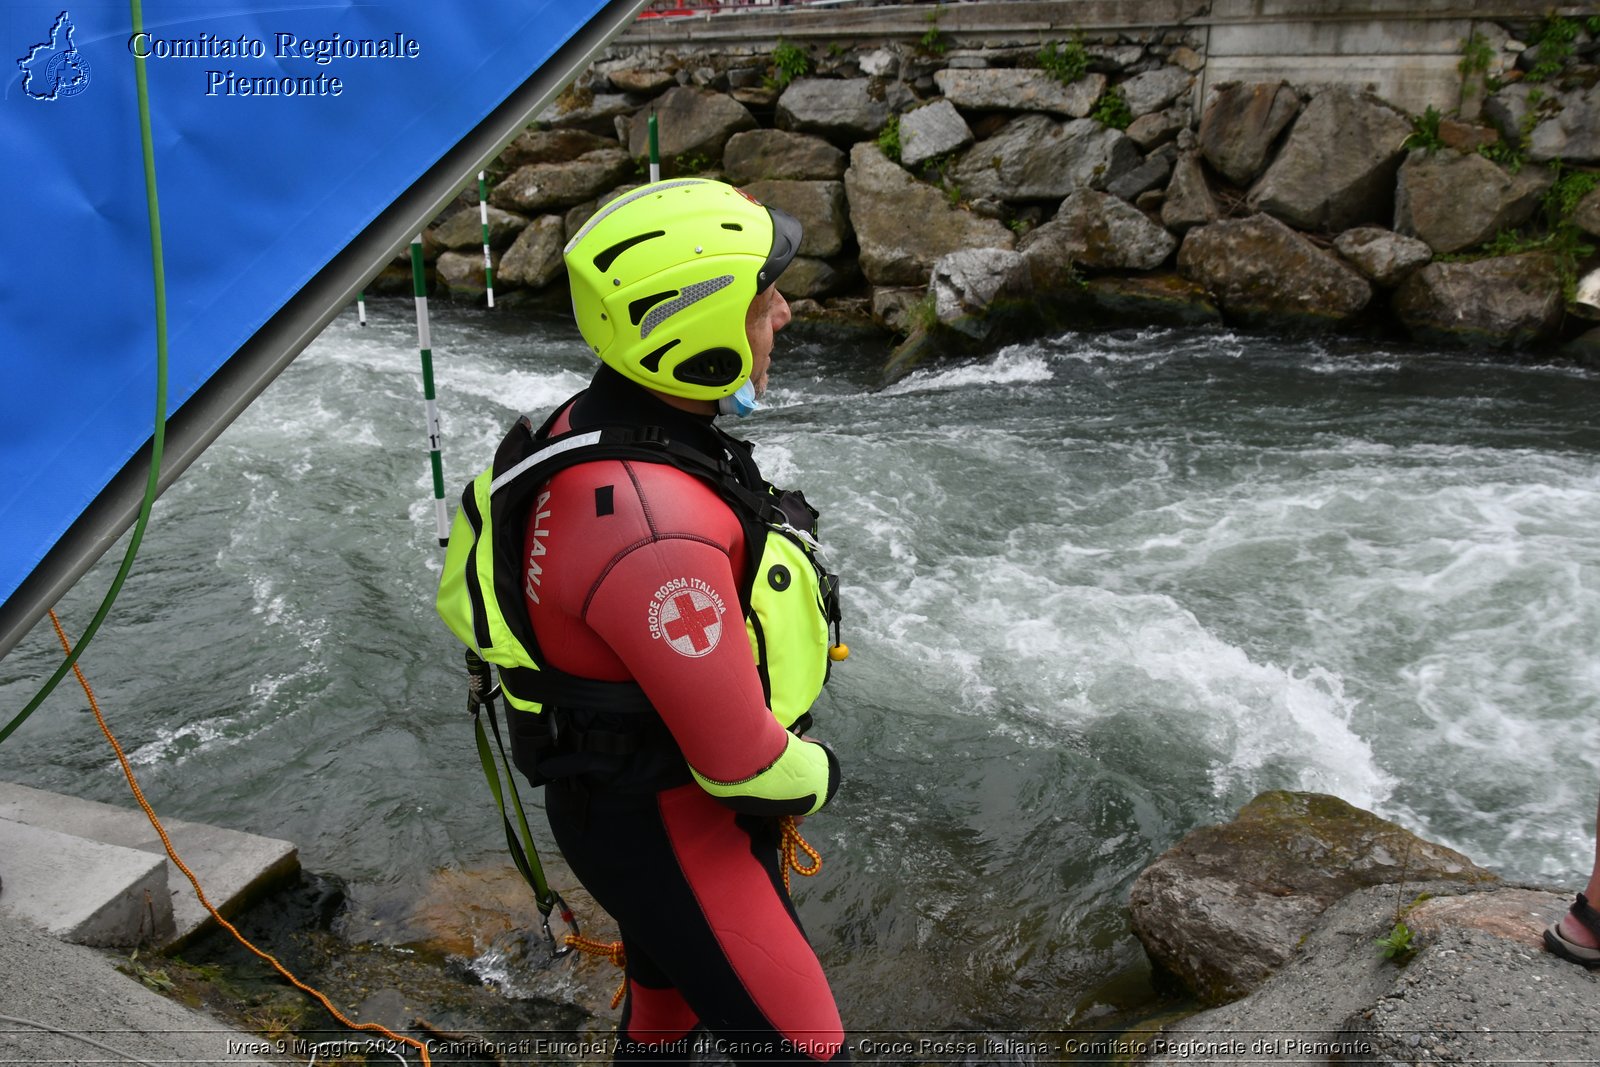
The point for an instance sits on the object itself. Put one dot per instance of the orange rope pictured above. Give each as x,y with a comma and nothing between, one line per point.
606,950
172,854
792,845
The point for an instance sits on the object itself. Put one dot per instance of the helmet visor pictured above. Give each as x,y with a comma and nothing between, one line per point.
786,230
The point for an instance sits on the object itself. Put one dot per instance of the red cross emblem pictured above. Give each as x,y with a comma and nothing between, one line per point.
691,622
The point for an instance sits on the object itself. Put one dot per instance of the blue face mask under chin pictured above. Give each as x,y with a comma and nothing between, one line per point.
741,403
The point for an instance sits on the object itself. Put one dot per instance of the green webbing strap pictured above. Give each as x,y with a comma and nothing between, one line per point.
523,853
157,262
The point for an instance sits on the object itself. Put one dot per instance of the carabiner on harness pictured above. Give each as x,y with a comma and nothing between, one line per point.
559,906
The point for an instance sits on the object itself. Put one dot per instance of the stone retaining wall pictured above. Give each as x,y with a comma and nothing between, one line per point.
966,193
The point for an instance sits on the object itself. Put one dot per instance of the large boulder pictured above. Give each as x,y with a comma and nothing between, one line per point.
1264,274
807,277
1586,216
1455,200
552,146
540,187
1154,173
1226,907
1502,302
1035,157
595,112
464,229
693,125
1241,126
1154,89
1566,127
1160,299
820,207
903,226
1338,166
1189,202
460,275
1019,90
1100,232
534,260
780,155
1158,127
841,109
930,131
1385,257
964,284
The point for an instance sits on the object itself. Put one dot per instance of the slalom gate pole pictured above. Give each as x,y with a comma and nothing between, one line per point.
425,345
483,217
655,150
361,307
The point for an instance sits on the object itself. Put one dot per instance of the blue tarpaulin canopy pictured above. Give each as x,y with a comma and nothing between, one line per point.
297,148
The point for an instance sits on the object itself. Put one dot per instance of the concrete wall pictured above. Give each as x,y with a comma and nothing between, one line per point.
1406,51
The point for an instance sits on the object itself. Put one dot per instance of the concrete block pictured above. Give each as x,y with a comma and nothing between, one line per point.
230,864
1410,83
84,891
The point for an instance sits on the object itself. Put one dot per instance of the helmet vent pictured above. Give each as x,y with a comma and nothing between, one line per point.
714,366
652,362
637,308
691,294
603,261
732,226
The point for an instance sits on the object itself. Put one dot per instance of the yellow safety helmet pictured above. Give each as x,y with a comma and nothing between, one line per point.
663,275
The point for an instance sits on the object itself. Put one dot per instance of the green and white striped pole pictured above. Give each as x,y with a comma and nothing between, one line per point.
435,435
361,306
655,150
483,216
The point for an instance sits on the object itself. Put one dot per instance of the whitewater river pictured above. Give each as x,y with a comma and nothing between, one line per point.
1101,589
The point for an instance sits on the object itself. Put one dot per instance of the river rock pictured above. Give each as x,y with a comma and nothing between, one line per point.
596,112
1153,173
1035,157
1586,216
1241,126
534,260
1158,127
930,131
1264,274
879,63
1572,133
1153,90
1161,299
843,110
808,277
780,155
642,82
552,146
893,306
1385,257
903,226
465,229
1502,302
820,207
964,285
1227,905
1507,110
1454,200
1337,168
1101,232
694,124
1477,990
1188,202
460,275
540,187
1019,90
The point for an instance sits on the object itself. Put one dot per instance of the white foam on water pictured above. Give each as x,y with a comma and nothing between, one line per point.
1011,365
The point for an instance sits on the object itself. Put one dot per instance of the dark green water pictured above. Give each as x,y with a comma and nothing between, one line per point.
1101,589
